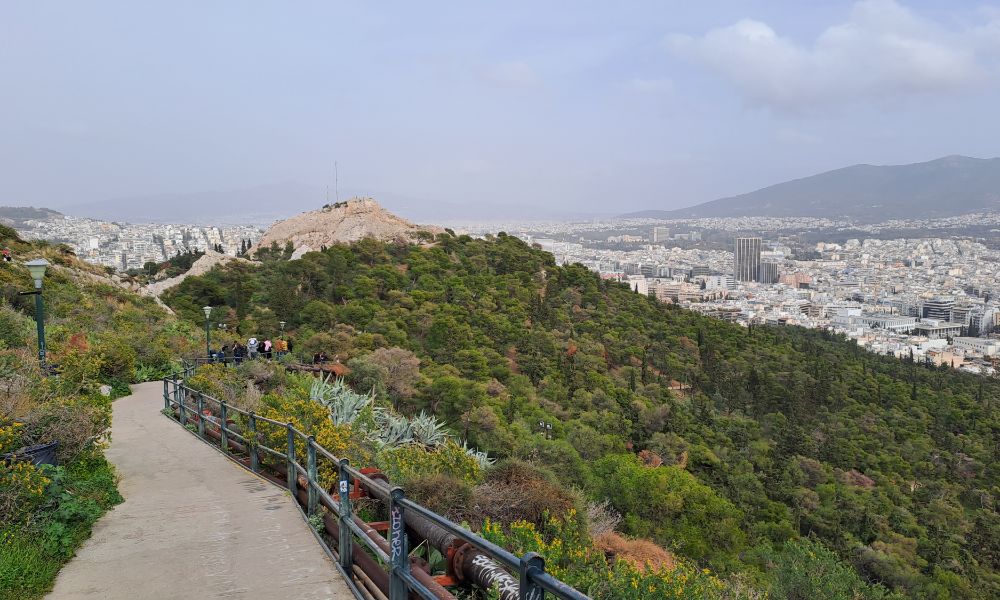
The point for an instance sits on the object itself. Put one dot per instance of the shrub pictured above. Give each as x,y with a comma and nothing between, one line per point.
571,557
672,507
405,463
117,360
514,490
15,328
806,569
441,493
22,487
77,424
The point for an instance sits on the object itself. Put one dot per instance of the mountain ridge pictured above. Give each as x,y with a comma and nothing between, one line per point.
949,186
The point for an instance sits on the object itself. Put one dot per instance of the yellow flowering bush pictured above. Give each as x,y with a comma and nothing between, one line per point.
311,418
571,557
22,488
10,436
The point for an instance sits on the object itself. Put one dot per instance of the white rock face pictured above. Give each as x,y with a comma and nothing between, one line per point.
300,251
347,222
200,267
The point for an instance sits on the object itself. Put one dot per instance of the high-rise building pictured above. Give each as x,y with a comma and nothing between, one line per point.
937,308
661,234
768,272
746,260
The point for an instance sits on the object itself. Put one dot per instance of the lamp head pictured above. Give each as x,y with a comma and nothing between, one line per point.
37,269
208,311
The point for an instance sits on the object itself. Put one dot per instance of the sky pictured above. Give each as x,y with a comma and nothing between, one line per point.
469,109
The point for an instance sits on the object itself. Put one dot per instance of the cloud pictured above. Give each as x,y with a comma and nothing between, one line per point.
883,50
513,74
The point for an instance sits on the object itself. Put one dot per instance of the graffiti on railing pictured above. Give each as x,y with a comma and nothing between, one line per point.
498,579
396,526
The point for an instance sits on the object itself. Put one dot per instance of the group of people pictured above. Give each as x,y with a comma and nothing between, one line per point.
253,350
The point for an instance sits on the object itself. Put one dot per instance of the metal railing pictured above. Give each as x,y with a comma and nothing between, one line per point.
491,565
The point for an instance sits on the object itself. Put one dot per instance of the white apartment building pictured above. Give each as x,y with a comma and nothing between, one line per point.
982,346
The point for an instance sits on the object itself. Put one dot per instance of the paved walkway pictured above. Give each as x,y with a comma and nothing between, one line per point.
193,524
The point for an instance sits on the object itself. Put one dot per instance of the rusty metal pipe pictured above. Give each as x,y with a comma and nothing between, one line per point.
470,564
332,526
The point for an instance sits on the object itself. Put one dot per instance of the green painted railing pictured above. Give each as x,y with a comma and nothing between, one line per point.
531,583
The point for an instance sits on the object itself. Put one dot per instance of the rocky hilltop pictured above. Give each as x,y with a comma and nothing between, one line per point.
343,223
201,266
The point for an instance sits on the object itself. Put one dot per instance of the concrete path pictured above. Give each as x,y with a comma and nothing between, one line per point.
193,524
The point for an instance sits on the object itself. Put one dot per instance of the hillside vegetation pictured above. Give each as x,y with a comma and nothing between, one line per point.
99,335
785,458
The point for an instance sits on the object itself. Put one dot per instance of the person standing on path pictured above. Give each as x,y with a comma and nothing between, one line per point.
252,344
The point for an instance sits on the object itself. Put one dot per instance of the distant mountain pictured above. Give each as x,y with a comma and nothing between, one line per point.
949,186
342,223
16,216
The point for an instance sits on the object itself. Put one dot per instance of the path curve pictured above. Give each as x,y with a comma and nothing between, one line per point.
193,525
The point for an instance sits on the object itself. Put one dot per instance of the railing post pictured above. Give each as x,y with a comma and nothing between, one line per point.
311,475
223,418
201,414
166,393
346,517
398,547
182,409
531,563
291,462
252,442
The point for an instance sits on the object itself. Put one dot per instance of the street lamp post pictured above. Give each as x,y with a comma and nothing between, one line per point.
37,270
208,331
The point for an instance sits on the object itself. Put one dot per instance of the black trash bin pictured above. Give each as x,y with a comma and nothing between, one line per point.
39,454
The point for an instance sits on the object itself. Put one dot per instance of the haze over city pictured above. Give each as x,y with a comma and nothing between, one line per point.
445,111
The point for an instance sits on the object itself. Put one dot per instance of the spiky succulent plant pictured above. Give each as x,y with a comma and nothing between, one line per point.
343,403
480,457
428,431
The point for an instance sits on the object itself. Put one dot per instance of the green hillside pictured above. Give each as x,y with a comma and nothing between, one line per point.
99,336
778,445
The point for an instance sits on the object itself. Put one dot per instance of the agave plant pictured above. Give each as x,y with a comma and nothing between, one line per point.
428,431
343,403
479,456
393,430
321,391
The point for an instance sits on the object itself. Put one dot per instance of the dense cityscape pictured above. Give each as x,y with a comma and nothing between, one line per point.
932,299
125,246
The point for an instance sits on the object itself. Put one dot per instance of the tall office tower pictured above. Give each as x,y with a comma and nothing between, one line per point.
746,263
937,308
661,234
768,272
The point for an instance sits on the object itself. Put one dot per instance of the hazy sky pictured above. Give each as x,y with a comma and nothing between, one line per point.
570,106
